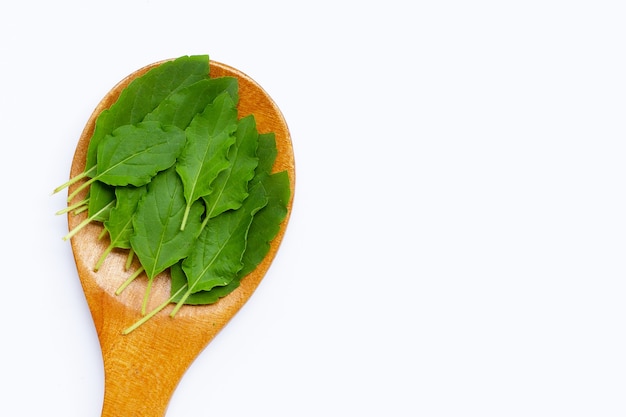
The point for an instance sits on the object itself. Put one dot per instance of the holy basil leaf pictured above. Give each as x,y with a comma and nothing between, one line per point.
230,188
133,154
215,258
144,94
267,221
119,225
179,284
180,108
266,152
98,207
264,227
157,239
101,201
204,156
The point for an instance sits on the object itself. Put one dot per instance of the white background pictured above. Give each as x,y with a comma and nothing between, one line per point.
458,239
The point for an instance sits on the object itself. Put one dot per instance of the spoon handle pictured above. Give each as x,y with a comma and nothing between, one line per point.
135,388
142,369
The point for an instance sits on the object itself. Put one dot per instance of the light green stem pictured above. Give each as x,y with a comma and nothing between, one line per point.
185,216
86,222
73,207
74,180
180,303
129,280
82,208
103,257
129,259
154,312
146,297
80,188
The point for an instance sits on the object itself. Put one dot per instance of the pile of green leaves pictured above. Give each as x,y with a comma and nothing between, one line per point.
182,182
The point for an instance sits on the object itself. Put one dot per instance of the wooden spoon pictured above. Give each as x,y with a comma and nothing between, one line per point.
143,368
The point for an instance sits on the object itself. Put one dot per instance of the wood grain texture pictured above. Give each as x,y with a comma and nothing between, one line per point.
143,368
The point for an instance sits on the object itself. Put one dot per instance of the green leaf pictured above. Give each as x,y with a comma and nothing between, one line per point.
266,152
264,227
101,199
230,188
209,137
144,94
267,221
179,284
157,239
133,154
216,256
181,107
119,225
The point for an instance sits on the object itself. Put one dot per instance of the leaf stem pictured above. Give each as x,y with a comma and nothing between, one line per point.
180,303
146,297
208,216
204,222
74,180
82,208
184,223
85,222
129,259
153,312
72,207
103,257
80,188
129,280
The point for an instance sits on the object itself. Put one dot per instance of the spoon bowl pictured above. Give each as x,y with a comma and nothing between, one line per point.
143,368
